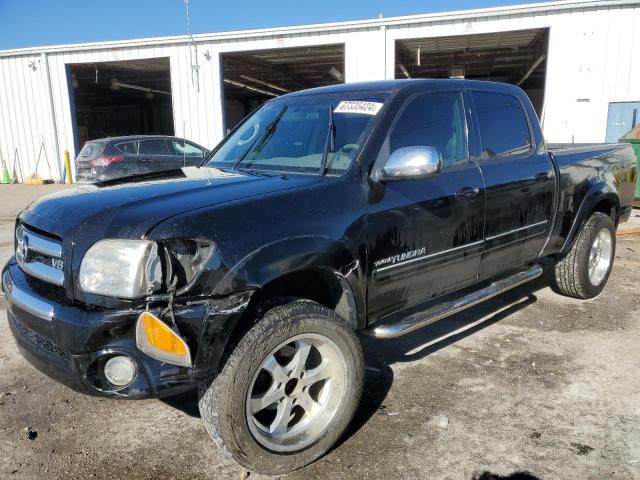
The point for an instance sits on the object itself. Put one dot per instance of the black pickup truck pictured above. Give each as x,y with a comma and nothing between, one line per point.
378,206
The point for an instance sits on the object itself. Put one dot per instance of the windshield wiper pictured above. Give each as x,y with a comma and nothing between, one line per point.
259,144
330,143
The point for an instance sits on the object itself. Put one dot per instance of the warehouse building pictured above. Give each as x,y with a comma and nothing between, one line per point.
579,62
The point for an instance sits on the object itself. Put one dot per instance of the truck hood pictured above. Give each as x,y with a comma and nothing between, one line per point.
130,207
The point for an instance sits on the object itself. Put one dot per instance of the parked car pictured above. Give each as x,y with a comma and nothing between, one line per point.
116,157
329,211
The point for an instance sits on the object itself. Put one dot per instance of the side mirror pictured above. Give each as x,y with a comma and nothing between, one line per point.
409,163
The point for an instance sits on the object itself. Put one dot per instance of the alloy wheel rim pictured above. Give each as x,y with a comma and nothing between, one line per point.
600,257
296,392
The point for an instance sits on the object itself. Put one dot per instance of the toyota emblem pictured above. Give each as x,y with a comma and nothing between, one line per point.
22,250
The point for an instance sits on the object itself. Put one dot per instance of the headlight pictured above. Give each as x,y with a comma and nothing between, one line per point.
189,257
121,268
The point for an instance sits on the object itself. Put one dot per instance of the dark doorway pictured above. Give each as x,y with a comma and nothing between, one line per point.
130,97
253,77
518,57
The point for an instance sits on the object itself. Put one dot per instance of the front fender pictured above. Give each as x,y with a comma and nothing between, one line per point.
286,256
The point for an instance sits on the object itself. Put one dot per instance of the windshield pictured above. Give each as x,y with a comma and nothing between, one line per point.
293,135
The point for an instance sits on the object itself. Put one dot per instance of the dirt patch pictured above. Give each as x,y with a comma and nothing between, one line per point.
581,449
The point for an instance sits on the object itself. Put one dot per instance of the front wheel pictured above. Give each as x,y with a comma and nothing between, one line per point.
584,270
288,390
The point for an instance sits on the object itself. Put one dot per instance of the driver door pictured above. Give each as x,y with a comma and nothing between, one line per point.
424,236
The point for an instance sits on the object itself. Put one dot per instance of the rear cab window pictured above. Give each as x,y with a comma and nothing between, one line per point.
504,128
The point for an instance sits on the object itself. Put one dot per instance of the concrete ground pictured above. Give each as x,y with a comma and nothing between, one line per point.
529,386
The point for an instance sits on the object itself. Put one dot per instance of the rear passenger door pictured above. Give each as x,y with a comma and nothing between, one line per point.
129,151
154,156
519,181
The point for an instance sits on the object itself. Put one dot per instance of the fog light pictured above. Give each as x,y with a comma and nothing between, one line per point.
120,371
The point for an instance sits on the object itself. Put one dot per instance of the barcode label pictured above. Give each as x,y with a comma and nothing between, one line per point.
356,106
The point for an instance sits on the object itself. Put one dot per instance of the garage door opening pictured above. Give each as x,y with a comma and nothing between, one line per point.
253,77
121,98
517,57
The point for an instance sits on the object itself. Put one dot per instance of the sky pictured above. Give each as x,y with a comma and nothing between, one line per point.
29,23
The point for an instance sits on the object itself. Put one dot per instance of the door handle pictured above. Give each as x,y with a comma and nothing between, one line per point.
468,192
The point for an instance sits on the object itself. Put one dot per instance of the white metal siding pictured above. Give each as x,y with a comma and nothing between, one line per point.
593,54
24,113
590,59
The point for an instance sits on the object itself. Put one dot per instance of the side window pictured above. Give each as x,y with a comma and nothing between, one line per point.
154,147
130,148
185,148
436,120
503,124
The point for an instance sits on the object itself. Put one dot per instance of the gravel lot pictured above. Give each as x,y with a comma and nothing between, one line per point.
529,386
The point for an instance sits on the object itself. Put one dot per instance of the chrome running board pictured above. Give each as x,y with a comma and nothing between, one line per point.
443,310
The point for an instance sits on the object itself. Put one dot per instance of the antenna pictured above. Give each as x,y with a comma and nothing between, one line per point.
193,51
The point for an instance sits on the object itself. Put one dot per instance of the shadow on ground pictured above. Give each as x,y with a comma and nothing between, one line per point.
381,354
513,476
186,402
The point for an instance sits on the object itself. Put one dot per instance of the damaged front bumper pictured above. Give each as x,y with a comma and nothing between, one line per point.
71,343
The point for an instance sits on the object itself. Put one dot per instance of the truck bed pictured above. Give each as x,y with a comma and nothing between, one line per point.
608,169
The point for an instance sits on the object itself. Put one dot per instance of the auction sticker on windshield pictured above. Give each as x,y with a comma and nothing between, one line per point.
358,106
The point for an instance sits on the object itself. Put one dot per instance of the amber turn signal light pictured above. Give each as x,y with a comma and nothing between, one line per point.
155,338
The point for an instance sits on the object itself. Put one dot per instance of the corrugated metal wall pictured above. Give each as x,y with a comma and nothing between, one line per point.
26,112
594,57
25,119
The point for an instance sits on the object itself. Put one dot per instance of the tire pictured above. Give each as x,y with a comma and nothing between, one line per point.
228,412
572,271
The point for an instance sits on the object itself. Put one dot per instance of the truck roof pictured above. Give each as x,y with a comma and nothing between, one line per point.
395,85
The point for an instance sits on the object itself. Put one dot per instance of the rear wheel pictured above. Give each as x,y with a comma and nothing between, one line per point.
584,270
288,390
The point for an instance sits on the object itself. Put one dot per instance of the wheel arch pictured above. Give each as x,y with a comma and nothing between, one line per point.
319,284
313,268
322,285
600,198
322,262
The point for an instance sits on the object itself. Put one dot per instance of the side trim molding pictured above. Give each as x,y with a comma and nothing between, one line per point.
467,245
515,230
427,257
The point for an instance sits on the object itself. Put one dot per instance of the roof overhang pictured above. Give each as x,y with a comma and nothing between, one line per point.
335,27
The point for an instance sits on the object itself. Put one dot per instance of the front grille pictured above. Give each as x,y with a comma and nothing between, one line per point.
41,342
39,256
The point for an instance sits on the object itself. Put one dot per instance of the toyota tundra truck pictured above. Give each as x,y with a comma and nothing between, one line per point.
376,207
